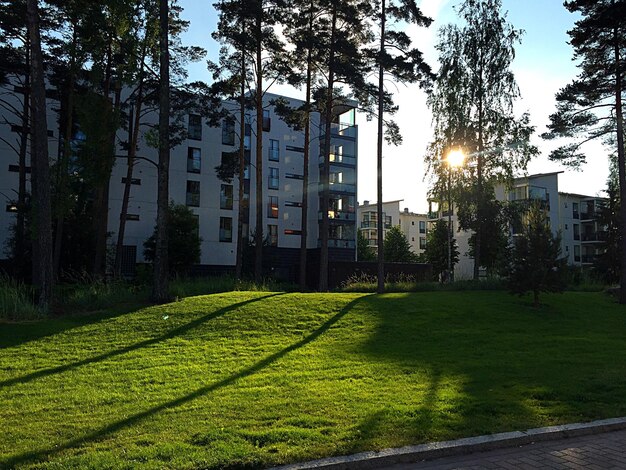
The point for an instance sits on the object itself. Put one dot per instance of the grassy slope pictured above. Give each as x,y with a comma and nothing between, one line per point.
259,379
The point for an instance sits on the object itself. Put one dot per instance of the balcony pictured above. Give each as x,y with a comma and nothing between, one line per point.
589,215
338,215
340,188
594,237
432,215
341,159
340,130
374,224
338,243
588,259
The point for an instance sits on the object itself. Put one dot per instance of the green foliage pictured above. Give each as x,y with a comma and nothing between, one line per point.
17,301
364,252
607,264
536,264
586,107
183,239
493,220
436,252
257,380
397,248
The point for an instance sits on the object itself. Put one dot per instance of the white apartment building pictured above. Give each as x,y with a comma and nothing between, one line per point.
574,215
193,181
413,225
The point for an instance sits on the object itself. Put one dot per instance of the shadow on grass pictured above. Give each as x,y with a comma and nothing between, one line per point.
15,334
133,347
118,425
495,364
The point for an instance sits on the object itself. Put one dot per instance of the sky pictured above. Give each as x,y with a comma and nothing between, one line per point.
543,64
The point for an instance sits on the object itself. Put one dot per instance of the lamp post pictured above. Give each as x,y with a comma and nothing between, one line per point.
454,160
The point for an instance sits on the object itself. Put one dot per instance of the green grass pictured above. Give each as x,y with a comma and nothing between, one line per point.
257,379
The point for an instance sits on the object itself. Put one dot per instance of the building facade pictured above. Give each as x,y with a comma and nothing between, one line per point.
194,182
574,216
413,225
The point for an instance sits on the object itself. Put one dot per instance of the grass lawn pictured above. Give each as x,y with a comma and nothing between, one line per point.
258,379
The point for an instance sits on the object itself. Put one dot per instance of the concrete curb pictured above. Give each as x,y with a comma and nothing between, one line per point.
434,450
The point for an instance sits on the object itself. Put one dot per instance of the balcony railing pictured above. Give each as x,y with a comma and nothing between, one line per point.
338,215
589,215
340,187
341,130
588,259
373,224
594,237
338,243
344,159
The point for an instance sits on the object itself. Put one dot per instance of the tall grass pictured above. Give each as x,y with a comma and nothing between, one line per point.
366,283
17,301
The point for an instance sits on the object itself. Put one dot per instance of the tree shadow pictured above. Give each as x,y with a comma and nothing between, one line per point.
254,368
16,334
133,347
488,369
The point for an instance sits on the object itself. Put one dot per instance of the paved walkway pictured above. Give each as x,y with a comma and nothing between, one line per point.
594,452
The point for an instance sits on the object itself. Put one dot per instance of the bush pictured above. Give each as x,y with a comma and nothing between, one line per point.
17,301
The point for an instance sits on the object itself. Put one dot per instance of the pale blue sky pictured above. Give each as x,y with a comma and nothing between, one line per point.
543,64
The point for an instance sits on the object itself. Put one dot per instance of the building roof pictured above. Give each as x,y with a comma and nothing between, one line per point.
538,175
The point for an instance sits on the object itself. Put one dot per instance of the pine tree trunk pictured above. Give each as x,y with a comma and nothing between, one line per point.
242,168
621,162
379,156
328,112
160,290
305,162
20,222
42,218
132,151
258,249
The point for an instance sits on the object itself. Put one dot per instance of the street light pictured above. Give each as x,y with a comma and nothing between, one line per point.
455,159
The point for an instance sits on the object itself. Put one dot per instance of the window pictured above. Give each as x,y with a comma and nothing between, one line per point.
267,121
226,229
228,132
16,169
293,204
133,217
422,226
295,149
293,176
272,231
193,193
135,181
422,243
226,197
575,212
565,226
272,181
576,252
293,232
194,127
274,151
412,239
11,207
193,160
272,207
412,222
387,221
576,232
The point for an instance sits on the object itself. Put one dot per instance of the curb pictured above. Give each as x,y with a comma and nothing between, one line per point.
434,450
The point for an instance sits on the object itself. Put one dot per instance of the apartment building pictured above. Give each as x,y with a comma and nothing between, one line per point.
194,182
413,225
575,216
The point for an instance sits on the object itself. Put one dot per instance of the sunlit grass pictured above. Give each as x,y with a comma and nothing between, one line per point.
258,379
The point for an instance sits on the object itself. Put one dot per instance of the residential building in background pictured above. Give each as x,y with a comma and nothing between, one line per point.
413,225
575,216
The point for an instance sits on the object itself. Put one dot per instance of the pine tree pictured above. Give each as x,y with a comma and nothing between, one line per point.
590,107
397,248
436,252
536,264
395,58
364,251
43,276
472,107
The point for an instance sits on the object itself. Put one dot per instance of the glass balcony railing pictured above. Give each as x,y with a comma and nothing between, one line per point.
344,159
594,237
340,130
340,187
373,224
338,215
338,243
